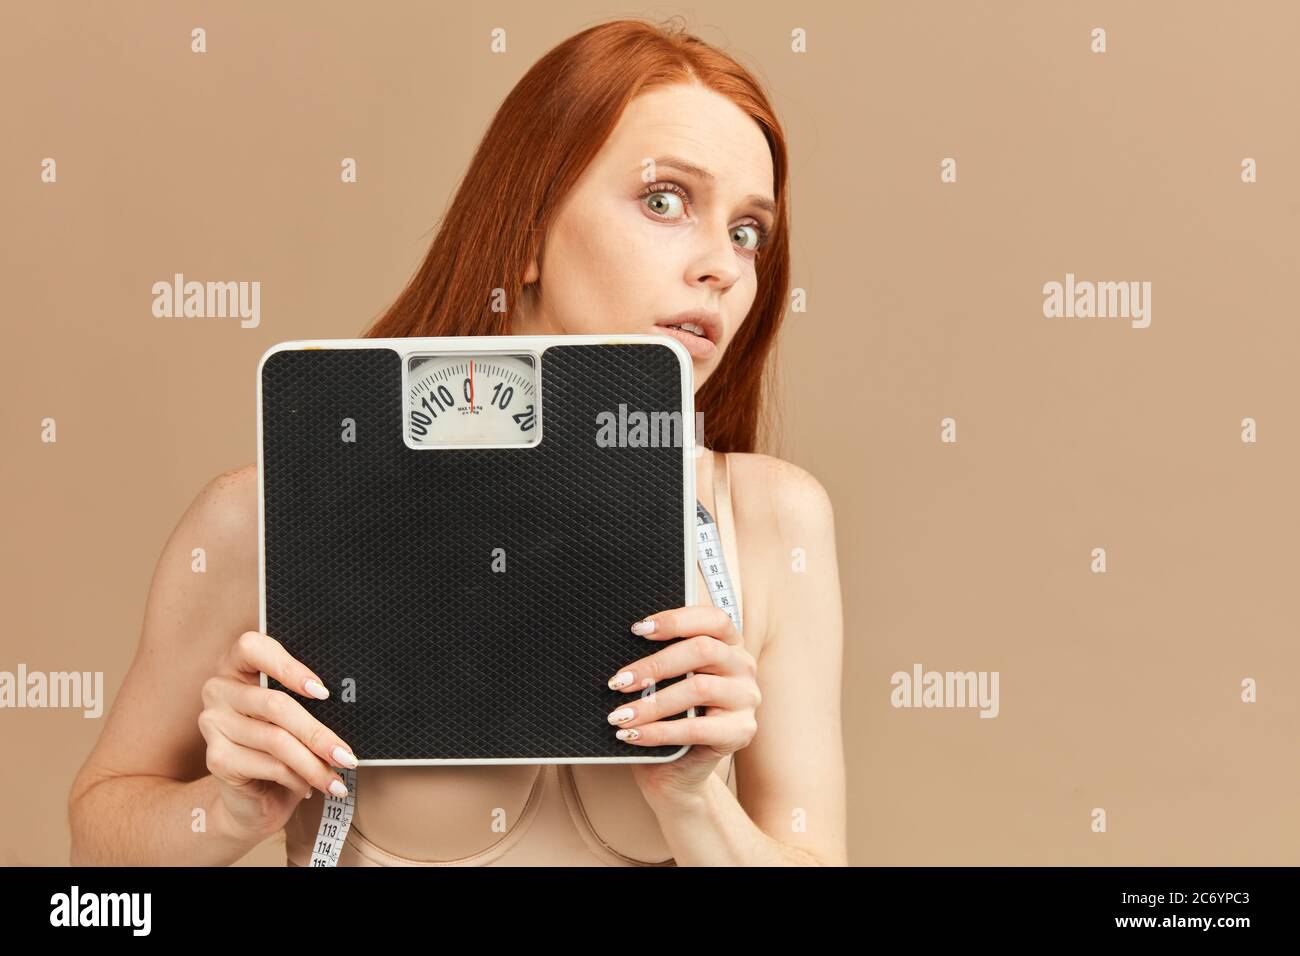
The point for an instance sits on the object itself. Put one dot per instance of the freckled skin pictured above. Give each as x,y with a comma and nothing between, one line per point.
615,261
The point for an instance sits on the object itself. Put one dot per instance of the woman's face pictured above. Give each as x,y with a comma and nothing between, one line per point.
640,239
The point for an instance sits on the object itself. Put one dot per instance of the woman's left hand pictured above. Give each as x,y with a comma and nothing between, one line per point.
723,688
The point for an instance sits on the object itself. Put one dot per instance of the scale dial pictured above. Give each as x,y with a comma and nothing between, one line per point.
465,398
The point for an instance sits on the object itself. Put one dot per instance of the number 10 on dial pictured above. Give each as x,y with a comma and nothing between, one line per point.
472,398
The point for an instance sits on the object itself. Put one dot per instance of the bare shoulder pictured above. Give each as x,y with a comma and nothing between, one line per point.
229,501
779,494
222,522
784,521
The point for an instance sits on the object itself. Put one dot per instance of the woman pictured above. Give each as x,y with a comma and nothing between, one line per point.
634,179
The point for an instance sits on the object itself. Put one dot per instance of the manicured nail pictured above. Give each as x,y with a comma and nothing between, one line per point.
316,689
308,797
338,789
344,758
621,679
622,714
628,733
643,627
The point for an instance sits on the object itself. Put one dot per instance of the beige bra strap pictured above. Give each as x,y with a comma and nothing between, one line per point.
727,526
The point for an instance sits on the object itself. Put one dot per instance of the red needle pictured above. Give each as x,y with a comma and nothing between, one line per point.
471,386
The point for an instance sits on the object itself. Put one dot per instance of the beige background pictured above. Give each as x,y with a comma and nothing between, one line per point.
1118,690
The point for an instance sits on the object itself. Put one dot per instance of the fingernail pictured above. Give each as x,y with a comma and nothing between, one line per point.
316,689
646,626
628,733
622,714
338,789
621,679
344,758
308,797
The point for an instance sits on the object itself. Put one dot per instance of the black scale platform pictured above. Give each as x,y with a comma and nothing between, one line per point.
379,557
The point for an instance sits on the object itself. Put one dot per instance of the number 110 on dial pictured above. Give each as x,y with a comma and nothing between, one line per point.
460,399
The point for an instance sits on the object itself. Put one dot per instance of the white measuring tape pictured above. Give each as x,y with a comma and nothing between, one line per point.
336,815
335,821
713,564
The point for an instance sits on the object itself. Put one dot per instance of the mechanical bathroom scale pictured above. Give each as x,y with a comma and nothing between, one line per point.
456,534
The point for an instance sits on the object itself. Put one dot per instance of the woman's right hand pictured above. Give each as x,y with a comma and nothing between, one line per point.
266,751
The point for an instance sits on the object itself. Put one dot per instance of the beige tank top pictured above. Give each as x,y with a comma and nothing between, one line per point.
511,815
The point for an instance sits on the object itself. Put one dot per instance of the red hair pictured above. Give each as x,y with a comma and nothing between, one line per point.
546,132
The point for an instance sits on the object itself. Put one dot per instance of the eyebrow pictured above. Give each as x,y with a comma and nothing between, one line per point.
676,162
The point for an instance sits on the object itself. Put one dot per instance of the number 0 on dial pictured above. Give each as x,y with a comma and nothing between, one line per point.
469,398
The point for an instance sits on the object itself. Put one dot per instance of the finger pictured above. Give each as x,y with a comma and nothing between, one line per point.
285,747
226,695
688,622
694,654
255,653
725,733
277,707
238,765
727,693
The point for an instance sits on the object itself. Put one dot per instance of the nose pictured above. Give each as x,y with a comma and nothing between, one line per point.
714,263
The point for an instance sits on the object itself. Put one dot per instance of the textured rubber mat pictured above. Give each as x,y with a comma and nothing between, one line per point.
379,558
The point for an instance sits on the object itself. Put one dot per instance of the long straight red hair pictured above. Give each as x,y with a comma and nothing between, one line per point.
550,126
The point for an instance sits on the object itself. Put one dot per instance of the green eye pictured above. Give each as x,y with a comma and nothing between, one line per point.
661,203
754,231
